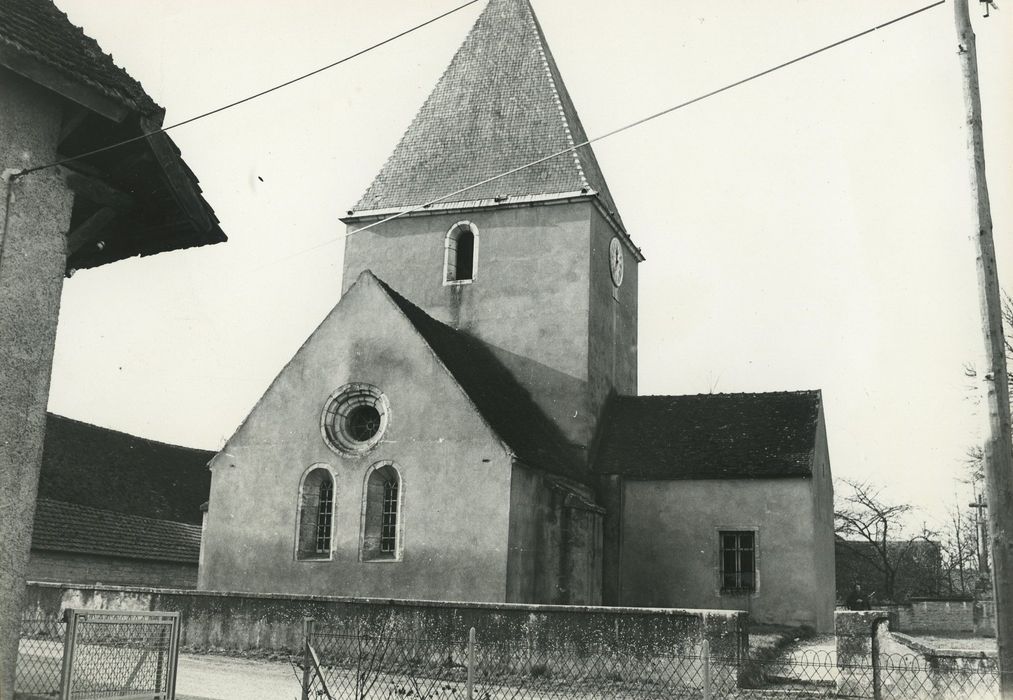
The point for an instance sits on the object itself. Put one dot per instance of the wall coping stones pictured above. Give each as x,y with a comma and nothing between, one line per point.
708,612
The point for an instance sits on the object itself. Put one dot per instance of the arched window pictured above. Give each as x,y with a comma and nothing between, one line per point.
381,513
460,256
316,514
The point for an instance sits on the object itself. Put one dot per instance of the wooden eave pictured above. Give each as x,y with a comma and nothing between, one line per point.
52,79
155,197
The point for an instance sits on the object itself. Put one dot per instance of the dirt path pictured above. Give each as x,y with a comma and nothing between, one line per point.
228,678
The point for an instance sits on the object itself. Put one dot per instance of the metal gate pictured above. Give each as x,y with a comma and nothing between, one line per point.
119,654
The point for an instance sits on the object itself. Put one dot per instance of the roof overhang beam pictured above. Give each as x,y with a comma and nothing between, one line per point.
50,78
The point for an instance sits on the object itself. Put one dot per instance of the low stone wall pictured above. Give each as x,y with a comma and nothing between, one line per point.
938,615
961,616
243,621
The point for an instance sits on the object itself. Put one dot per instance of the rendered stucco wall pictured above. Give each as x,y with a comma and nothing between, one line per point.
535,293
824,558
555,542
670,552
455,476
94,569
612,356
34,218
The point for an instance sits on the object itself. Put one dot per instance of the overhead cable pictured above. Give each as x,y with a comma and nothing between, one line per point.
164,129
631,125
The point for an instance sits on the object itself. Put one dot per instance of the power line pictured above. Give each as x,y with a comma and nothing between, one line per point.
631,125
164,129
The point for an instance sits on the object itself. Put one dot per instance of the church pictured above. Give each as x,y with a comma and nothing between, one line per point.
465,423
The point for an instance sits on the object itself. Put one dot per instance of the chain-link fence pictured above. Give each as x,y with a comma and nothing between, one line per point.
98,654
373,667
40,657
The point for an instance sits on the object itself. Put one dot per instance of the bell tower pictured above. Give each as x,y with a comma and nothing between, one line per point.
537,264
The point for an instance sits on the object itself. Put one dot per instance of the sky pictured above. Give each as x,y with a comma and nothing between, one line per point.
808,230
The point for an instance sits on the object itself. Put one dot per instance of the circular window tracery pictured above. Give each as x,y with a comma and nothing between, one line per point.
355,418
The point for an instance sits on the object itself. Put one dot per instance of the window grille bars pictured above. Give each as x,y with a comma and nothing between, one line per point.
738,561
388,522
325,515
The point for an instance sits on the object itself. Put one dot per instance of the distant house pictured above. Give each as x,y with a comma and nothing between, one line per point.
112,470
80,545
916,564
118,509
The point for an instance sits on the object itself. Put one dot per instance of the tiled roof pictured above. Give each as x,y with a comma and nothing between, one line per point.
38,29
167,209
504,404
500,104
710,436
110,470
66,527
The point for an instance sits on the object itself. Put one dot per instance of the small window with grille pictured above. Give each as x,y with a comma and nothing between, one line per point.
381,526
738,561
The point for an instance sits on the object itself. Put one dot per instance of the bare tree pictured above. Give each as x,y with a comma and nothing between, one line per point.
959,553
872,529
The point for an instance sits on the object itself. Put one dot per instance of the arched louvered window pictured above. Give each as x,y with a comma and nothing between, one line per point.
381,514
316,514
460,255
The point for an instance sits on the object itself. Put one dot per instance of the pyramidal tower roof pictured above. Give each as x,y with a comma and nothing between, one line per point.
499,105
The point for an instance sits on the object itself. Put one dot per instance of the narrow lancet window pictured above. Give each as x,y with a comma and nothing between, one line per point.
460,254
381,516
316,515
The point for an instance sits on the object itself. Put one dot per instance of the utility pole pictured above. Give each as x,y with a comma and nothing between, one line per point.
998,443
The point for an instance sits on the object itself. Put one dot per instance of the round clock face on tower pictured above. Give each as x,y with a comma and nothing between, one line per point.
616,261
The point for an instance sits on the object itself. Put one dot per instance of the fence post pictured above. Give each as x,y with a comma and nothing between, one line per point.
307,657
705,653
469,688
175,629
69,638
877,680
159,663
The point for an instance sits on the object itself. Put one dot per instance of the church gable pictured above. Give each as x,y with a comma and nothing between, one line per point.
365,341
501,104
